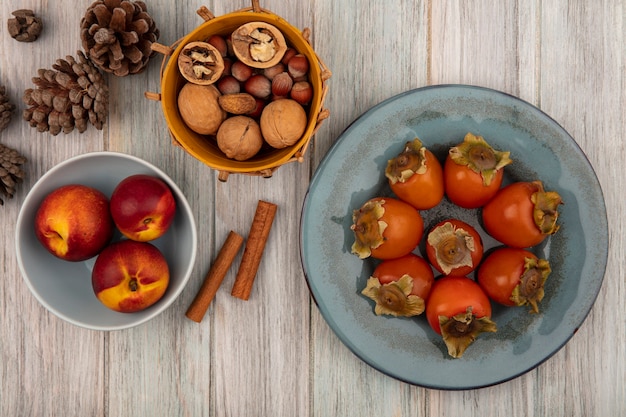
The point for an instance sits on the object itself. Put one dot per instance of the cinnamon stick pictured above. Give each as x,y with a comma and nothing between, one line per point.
215,276
251,258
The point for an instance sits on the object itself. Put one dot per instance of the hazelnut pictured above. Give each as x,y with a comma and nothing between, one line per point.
229,45
273,71
200,63
199,108
258,44
289,53
298,66
302,92
281,84
240,103
219,43
260,104
302,78
240,71
228,63
239,137
283,122
259,86
228,85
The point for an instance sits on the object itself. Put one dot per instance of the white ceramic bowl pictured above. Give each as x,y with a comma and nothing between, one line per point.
63,287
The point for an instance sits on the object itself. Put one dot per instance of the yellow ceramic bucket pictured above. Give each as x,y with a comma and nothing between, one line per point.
205,148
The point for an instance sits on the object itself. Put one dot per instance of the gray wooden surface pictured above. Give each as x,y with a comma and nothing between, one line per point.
274,355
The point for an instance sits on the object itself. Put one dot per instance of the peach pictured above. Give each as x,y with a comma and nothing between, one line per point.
130,276
73,222
143,207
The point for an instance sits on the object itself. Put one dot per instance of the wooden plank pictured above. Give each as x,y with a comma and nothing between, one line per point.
493,47
162,368
260,350
486,49
375,52
582,87
38,350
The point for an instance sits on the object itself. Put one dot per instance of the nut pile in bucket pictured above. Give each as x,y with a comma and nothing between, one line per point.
249,90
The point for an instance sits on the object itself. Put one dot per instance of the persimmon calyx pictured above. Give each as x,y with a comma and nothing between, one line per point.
480,157
411,161
394,298
460,331
453,246
545,212
530,290
368,228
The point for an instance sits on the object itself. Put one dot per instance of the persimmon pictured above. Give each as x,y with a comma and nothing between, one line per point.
415,175
473,172
386,228
459,310
400,286
522,214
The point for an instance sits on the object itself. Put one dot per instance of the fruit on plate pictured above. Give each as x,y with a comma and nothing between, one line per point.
130,276
400,286
454,247
522,214
386,228
73,222
514,277
415,176
458,310
143,207
473,172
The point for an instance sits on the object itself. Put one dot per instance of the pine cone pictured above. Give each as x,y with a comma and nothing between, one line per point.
10,172
6,109
117,35
68,96
25,26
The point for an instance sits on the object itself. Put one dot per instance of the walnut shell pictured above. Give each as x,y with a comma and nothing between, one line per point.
239,137
258,44
199,107
200,63
283,122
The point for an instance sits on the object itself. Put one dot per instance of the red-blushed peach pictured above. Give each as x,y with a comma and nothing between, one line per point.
73,222
129,276
143,207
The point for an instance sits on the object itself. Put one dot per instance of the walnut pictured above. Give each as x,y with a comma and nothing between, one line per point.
258,44
239,137
200,109
200,63
283,122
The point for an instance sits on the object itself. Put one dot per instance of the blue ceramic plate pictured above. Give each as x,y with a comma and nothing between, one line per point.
353,171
